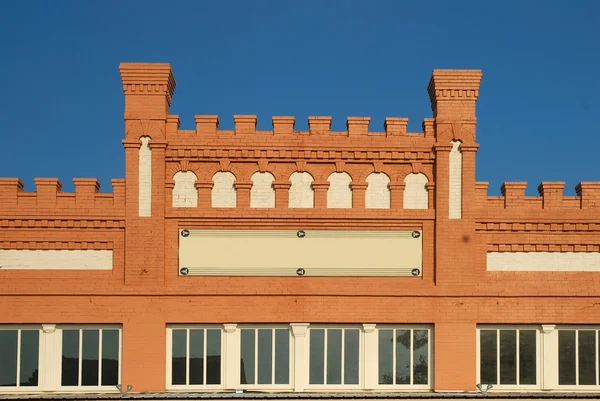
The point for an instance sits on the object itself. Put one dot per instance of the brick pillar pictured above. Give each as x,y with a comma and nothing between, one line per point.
359,191
320,194
455,356
282,194
204,194
243,194
148,90
397,195
453,95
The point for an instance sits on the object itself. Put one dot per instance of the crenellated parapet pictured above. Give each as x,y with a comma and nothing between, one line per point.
49,197
318,126
551,197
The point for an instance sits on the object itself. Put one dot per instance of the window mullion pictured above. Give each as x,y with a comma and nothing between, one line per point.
596,349
577,357
410,356
343,359
272,356
79,373
325,356
518,357
120,351
204,354
498,356
255,356
18,382
394,360
187,357
100,357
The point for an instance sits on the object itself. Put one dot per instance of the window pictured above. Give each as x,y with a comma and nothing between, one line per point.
90,357
265,356
334,356
19,357
508,356
403,356
59,358
578,357
195,356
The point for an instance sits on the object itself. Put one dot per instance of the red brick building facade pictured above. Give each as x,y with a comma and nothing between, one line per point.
289,260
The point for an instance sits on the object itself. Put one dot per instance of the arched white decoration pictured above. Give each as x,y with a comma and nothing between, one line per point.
301,193
339,194
185,193
223,193
145,178
378,192
416,195
262,194
455,182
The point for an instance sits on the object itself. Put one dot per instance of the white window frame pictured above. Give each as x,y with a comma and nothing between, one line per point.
41,355
578,387
81,327
169,366
430,361
538,350
273,386
361,364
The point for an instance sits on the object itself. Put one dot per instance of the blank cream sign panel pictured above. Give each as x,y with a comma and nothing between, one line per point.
300,253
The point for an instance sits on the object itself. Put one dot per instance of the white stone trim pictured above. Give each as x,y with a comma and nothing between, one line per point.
416,195
223,193
339,194
543,261
377,195
262,193
301,193
455,182
145,178
56,259
185,193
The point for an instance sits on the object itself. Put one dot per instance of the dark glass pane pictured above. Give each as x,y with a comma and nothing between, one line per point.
265,356
213,356
587,357
527,357
334,356
351,348
110,357
196,357
90,352
30,350
488,347
420,357
247,367
178,357
386,356
317,356
8,357
508,357
402,356
70,358
566,357
282,356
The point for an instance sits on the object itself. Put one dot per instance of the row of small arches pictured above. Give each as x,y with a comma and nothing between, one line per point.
301,192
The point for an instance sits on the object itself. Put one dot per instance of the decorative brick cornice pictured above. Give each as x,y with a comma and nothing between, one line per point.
544,227
175,152
543,247
148,79
56,245
61,223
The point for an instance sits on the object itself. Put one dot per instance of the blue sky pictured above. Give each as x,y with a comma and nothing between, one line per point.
62,97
